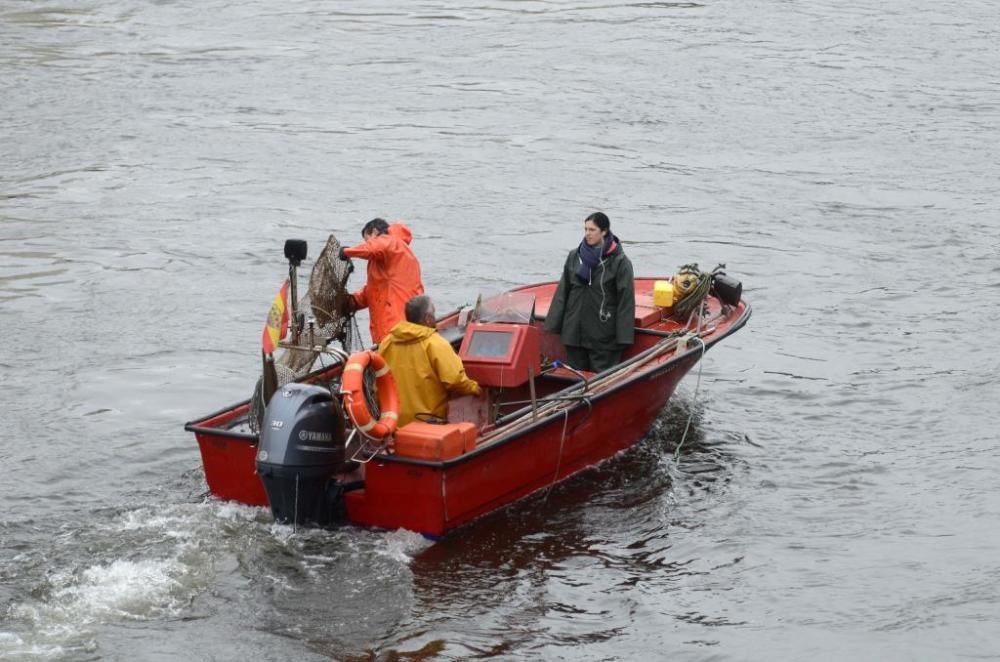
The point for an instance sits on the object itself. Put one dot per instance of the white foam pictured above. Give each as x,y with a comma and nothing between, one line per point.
282,533
172,524
176,520
120,590
14,647
231,510
402,545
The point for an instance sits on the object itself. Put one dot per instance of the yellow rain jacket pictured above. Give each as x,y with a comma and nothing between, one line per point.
427,370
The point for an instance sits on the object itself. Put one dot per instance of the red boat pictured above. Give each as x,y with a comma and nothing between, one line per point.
538,423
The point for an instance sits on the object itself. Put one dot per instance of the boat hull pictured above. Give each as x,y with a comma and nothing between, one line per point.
229,456
434,498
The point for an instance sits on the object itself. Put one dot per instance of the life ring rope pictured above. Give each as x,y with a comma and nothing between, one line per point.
352,385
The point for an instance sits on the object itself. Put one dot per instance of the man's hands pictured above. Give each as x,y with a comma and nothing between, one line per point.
347,306
343,256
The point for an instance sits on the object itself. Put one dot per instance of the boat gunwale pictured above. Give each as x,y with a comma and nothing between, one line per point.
197,426
549,418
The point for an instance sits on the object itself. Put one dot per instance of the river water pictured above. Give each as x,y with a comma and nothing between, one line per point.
836,496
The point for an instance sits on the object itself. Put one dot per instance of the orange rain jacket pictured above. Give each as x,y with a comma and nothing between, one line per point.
427,370
393,278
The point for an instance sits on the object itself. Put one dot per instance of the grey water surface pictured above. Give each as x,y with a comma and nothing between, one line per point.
836,496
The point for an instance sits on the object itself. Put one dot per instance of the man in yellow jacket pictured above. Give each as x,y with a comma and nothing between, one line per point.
426,368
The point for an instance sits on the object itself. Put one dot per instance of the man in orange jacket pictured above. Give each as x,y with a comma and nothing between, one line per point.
393,274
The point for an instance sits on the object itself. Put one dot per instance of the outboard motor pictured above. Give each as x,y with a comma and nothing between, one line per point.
301,449
727,288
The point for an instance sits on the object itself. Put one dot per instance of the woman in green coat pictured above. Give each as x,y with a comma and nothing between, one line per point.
593,309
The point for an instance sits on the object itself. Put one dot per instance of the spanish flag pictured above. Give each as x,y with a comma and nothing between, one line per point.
277,321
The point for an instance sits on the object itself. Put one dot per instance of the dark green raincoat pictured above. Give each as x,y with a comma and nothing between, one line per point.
599,315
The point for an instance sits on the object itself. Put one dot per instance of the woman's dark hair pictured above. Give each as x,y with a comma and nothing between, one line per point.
375,224
600,219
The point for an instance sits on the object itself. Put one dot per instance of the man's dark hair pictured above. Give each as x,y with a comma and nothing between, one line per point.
600,219
417,308
375,224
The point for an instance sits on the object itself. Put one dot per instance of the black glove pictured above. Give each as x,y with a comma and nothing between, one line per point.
347,307
341,254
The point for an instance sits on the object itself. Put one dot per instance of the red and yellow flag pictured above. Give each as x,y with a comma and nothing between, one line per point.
277,321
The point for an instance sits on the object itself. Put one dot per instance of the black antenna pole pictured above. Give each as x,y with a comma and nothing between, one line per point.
295,251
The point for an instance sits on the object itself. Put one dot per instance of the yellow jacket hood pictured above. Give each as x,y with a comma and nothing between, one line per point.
405,332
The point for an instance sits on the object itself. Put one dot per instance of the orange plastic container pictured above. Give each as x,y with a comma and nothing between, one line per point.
470,433
431,441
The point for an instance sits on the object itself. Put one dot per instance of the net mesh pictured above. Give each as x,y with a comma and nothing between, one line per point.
324,324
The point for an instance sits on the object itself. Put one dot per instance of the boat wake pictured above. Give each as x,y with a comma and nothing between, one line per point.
173,562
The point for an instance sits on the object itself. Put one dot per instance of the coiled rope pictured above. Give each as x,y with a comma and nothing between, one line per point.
694,298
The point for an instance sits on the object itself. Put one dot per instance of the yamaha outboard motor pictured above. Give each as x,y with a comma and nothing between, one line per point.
301,449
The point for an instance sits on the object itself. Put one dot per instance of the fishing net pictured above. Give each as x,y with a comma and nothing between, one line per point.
328,292
321,305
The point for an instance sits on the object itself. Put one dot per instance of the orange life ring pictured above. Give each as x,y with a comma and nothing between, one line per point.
352,385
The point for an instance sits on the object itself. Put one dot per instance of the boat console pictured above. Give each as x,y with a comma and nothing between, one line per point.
500,347
501,354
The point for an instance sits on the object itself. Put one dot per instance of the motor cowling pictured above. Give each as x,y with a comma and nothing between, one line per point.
301,450
727,288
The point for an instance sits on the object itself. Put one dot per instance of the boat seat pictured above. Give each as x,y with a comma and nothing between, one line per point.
472,408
